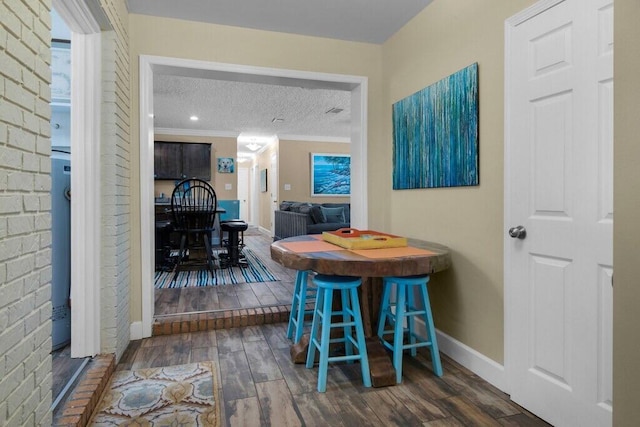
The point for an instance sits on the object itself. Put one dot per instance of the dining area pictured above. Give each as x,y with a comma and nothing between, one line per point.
192,223
360,293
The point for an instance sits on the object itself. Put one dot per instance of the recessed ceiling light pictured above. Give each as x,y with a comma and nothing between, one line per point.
193,118
253,146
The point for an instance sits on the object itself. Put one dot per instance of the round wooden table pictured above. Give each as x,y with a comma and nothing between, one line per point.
310,252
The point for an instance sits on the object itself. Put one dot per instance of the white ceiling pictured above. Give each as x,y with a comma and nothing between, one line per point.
226,106
369,21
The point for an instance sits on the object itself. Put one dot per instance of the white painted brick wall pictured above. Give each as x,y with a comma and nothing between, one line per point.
25,236
115,163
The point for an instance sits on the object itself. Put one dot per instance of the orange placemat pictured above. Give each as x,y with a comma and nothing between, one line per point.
392,252
311,246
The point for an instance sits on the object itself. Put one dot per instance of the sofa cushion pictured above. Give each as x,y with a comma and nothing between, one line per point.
285,206
345,206
333,214
300,207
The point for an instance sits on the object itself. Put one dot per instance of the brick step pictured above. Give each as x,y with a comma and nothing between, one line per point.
227,319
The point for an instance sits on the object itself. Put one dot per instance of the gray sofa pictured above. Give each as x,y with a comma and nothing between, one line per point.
297,218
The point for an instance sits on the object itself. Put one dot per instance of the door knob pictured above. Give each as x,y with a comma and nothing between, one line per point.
518,232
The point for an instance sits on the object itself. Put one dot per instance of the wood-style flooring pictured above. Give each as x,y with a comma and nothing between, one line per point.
228,297
260,386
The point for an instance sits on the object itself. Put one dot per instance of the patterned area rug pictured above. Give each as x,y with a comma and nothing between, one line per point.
182,395
256,272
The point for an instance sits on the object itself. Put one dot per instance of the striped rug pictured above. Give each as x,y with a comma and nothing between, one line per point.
256,272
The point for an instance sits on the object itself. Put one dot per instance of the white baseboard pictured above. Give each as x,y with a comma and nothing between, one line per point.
487,369
135,331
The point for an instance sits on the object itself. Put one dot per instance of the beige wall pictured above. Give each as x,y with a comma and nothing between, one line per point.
220,147
626,291
263,161
447,36
195,40
295,169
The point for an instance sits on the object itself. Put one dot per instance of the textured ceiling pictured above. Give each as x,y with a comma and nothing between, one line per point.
229,107
370,21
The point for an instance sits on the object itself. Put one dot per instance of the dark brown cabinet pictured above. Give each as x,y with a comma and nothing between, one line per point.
179,160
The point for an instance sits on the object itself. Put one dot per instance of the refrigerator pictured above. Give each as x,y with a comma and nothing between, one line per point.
61,247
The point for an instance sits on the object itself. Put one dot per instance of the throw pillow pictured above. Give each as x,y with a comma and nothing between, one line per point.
333,214
316,214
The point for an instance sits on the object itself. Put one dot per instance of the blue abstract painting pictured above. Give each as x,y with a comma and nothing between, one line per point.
435,134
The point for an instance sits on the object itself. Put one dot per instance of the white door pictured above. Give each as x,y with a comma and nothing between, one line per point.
558,187
243,193
272,184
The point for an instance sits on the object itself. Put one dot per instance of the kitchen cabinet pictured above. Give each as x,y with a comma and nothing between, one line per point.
179,160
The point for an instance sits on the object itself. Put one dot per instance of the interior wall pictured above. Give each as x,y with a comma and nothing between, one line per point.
208,42
263,162
626,227
115,164
25,222
446,37
220,147
295,169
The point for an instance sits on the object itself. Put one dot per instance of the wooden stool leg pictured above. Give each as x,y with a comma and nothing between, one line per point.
302,306
411,306
295,305
362,344
315,325
385,307
346,318
398,333
435,353
323,366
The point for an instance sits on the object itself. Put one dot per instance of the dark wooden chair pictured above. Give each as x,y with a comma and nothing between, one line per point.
193,206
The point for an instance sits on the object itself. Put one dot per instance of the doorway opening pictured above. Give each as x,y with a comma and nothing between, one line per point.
356,85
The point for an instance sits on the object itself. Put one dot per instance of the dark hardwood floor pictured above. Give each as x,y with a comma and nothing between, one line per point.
259,385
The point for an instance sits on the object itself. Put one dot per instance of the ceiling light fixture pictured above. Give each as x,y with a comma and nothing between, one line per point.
193,118
277,120
334,110
253,146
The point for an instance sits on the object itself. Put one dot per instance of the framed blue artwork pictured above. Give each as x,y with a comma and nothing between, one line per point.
435,134
330,175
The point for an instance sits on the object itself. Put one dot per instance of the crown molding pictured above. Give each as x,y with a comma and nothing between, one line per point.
229,134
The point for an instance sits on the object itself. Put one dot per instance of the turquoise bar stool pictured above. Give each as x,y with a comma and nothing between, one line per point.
405,313
351,319
302,294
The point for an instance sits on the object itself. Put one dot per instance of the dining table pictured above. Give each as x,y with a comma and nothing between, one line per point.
312,253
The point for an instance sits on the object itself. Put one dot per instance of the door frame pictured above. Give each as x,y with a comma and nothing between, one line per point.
86,216
357,85
510,338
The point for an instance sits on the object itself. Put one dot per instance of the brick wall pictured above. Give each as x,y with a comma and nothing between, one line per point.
115,169
25,235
